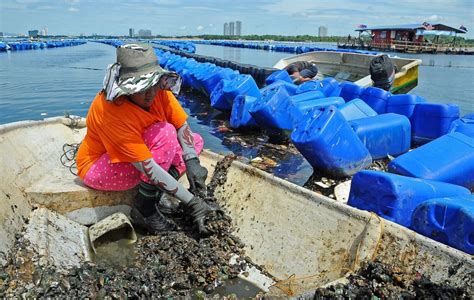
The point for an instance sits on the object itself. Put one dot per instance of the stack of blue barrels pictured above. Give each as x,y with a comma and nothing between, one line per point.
277,47
26,45
340,128
184,46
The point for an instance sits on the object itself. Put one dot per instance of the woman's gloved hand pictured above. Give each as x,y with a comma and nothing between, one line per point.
198,209
197,175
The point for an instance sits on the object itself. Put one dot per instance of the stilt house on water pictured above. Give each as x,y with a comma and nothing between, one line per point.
409,38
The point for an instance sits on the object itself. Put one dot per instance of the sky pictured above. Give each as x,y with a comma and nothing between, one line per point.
185,17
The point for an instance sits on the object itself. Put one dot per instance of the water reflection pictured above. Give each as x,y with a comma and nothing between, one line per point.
213,125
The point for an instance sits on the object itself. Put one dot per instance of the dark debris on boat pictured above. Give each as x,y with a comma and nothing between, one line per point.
375,280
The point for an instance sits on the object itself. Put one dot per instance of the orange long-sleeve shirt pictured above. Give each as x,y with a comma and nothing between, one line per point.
117,128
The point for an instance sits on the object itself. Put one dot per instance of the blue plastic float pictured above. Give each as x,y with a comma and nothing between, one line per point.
403,104
465,125
328,86
350,91
449,158
448,220
240,116
395,197
432,120
304,106
376,98
307,96
290,87
329,144
274,109
383,135
356,109
278,75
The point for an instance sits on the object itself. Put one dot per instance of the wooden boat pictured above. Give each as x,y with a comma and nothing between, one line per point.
354,67
303,239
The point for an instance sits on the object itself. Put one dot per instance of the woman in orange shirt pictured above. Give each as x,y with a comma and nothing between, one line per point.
137,134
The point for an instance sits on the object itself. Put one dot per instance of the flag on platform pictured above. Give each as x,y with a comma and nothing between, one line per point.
361,26
463,28
427,26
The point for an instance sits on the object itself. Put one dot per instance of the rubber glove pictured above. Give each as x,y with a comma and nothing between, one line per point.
197,175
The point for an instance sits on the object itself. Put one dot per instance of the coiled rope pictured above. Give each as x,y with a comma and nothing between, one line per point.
68,158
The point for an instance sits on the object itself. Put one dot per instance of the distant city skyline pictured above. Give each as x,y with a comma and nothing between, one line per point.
186,17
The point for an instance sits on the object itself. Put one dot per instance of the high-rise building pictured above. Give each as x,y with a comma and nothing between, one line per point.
131,32
323,31
43,31
231,28
238,28
144,32
226,28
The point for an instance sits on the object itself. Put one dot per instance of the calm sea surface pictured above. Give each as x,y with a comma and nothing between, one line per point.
35,84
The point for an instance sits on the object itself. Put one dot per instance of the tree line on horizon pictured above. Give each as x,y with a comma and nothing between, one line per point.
253,37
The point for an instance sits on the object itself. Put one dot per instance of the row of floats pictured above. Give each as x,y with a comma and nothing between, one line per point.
340,128
277,47
27,45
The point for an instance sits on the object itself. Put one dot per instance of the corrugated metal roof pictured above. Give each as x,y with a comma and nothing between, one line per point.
412,27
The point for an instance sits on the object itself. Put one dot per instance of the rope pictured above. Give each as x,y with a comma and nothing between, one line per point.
382,228
287,285
68,158
74,123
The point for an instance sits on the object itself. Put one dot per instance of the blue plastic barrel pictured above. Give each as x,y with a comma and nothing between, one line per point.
376,98
350,91
383,135
304,106
274,110
242,84
356,109
240,116
395,197
219,97
448,220
209,82
307,96
328,86
290,87
278,75
432,120
329,144
465,125
449,158
308,86
403,104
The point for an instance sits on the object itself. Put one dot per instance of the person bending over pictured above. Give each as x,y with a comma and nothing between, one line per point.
137,134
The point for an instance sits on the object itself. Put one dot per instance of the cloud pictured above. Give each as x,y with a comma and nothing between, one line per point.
434,18
73,9
182,28
46,7
72,1
199,28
